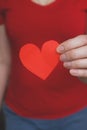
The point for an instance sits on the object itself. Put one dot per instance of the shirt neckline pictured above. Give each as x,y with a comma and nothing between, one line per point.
36,5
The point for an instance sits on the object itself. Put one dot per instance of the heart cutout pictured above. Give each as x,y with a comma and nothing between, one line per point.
40,62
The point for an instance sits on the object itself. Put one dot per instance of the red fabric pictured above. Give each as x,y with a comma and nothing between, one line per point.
1,6
60,94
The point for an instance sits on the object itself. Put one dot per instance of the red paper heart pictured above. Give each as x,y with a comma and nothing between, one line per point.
40,62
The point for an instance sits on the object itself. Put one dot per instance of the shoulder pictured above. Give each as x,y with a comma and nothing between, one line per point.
78,3
81,3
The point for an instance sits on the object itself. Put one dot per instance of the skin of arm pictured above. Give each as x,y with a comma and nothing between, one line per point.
5,62
73,54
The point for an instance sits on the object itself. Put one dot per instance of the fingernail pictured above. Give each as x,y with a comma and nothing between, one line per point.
63,58
60,49
67,64
74,72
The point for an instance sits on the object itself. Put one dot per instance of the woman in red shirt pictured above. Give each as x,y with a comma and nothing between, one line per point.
47,87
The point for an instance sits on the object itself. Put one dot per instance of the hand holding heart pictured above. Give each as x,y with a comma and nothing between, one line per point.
74,55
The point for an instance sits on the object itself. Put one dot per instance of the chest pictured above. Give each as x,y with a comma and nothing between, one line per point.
33,23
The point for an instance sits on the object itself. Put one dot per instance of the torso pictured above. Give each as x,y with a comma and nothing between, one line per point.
28,23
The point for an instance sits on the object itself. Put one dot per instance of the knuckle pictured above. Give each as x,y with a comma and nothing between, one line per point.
84,73
83,38
71,55
75,64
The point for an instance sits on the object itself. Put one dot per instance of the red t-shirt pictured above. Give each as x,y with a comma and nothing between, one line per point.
32,92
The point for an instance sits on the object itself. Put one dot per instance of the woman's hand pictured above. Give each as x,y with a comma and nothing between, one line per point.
73,53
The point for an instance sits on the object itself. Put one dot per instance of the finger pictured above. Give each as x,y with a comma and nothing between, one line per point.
79,72
74,54
82,64
73,43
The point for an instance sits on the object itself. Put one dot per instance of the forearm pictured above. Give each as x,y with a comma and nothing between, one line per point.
4,76
5,62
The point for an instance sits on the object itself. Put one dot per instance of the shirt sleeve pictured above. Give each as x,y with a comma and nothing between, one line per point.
1,11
